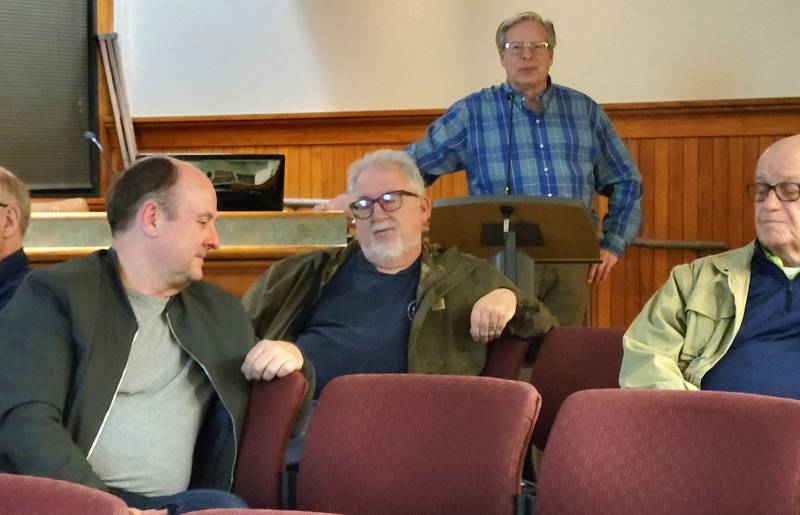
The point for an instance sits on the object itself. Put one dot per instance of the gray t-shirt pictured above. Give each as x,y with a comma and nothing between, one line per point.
146,443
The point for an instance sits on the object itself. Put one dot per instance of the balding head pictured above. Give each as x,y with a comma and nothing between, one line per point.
783,154
151,178
778,221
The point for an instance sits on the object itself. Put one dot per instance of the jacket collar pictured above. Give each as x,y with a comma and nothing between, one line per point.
14,265
735,261
735,264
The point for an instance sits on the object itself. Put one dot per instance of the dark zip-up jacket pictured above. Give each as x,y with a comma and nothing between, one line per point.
13,269
450,283
64,344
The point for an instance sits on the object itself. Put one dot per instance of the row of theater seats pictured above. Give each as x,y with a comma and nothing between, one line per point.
413,444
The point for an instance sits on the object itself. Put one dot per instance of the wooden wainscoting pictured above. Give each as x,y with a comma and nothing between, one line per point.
695,158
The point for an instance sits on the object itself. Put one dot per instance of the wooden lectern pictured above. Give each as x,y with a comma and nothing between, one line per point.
549,230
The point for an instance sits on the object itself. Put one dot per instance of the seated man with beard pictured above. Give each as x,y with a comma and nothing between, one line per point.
387,303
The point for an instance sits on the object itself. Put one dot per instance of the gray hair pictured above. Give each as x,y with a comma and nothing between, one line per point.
505,25
382,158
12,186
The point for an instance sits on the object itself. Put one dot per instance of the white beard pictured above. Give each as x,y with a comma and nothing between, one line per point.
385,254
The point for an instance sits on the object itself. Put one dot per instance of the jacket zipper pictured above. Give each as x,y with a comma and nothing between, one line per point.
114,398
214,386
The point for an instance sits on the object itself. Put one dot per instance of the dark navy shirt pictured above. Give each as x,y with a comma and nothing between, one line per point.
764,357
12,271
361,322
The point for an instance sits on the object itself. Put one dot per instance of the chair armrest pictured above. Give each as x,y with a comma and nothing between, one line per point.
505,356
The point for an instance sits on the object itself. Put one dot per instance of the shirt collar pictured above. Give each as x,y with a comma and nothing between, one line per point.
790,271
543,98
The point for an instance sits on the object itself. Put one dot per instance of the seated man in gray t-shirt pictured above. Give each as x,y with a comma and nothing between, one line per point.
121,370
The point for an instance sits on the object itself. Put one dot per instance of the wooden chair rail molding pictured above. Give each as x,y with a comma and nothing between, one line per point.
697,246
695,158
699,118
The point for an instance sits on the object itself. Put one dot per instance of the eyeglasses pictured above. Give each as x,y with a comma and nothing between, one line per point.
390,201
785,191
517,48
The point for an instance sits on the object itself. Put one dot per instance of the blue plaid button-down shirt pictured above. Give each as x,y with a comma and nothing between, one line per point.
568,150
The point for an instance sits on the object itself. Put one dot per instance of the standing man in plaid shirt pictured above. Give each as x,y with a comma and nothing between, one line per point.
530,136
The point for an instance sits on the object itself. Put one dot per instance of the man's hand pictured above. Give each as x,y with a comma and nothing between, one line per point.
491,313
338,203
135,511
270,359
598,272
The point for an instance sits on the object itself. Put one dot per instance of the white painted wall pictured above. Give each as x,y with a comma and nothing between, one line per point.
206,57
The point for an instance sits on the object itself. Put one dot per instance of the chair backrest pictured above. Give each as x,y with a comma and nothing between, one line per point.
246,511
408,443
505,356
28,495
573,359
271,413
663,452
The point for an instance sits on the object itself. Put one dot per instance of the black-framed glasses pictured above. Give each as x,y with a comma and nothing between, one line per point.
3,205
390,201
785,191
517,48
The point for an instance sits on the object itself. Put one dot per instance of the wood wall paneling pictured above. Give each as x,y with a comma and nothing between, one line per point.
694,157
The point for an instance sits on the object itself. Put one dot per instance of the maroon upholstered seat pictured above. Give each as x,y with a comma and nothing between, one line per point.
662,452
573,359
28,495
244,511
271,414
407,443
505,356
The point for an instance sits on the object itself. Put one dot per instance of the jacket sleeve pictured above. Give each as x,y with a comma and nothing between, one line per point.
532,317
653,342
36,372
282,293
259,304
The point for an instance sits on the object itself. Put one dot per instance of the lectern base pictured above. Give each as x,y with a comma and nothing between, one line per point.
562,287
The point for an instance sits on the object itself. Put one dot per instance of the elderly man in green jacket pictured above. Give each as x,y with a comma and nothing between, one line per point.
731,321
388,302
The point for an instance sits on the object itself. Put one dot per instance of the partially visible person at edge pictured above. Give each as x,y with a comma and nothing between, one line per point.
121,370
731,321
15,213
559,143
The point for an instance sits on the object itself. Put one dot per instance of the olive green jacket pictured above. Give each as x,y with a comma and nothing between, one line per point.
64,341
439,342
688,324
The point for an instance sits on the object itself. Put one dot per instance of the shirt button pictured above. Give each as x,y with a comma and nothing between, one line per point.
546,169
537,121
541,145
549,194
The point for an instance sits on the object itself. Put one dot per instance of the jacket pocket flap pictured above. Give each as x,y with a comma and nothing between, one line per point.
710,303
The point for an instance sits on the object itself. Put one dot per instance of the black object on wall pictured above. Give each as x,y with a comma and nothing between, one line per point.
48,94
